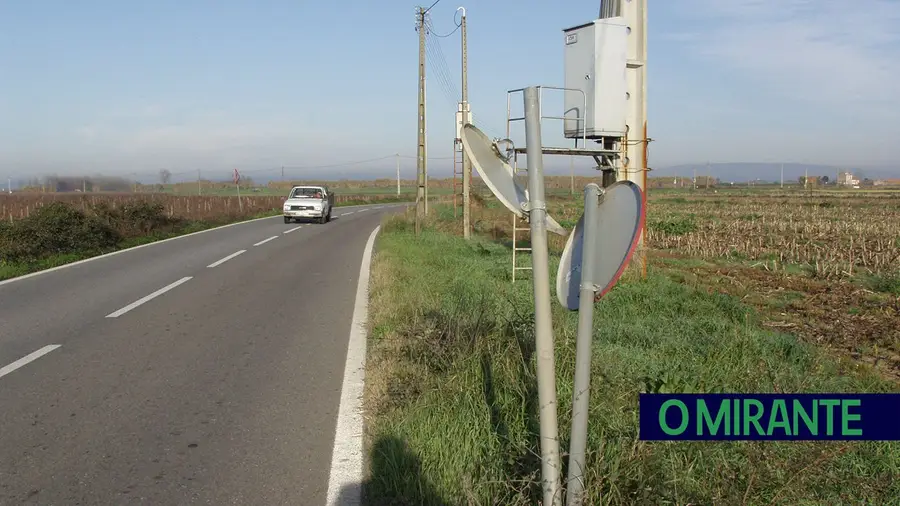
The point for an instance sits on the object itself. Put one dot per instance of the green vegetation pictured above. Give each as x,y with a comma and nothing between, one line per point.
60,233
887,283
452,404
678,225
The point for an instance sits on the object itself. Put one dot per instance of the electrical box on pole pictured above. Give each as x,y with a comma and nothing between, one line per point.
595,62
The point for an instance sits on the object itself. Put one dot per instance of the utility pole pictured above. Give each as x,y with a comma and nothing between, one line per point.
420,156
466,166
282,173
708,175
634,13
398,174
782,175
199,185
425,141
571,175
9,185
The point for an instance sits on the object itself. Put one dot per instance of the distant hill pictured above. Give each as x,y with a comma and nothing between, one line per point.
747,171
725,172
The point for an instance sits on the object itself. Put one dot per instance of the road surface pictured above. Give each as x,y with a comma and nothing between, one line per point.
183,372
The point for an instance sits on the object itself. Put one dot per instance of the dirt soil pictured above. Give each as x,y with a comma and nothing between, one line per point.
842,317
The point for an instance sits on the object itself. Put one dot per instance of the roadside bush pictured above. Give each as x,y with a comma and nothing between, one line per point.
56,228
135,218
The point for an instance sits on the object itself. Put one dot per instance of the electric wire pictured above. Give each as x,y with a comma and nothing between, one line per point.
446,78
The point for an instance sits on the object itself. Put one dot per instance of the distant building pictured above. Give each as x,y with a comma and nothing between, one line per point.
887,182
847,179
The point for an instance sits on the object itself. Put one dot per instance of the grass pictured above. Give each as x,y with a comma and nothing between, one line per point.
451,394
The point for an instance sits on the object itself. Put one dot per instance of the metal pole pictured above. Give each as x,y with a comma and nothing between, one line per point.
467,167
398,174
581,395
571,175
543,325
420,157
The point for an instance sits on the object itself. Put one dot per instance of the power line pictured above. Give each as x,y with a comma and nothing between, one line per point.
458,25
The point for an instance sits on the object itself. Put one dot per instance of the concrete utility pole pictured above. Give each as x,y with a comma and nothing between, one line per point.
420,156
199,186
398,174
782,175
634,13
425,134
708,175
466,165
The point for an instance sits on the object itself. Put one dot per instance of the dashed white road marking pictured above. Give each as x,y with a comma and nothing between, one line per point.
31,357
346,475
222,261
292,229
351,212
142,300
266,240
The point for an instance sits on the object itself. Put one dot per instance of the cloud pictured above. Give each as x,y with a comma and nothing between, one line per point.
811,50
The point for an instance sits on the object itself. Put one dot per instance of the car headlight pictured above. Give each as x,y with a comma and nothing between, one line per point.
287,208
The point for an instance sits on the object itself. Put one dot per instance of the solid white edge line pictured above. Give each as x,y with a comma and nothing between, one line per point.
291,230
31,357
154,243
260,243
144,299
347,456
223,260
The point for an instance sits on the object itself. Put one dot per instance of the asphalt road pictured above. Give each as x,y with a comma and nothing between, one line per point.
224,389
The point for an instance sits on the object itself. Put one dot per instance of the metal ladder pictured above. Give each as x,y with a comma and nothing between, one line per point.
457,171
518,228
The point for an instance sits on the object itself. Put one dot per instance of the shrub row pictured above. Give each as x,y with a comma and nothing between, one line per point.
59,228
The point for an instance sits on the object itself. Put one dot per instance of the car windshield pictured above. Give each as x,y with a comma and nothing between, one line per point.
306,193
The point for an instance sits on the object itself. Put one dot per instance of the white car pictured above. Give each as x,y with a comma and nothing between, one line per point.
309,202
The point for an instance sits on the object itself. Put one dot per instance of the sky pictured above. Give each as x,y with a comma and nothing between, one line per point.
106,86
